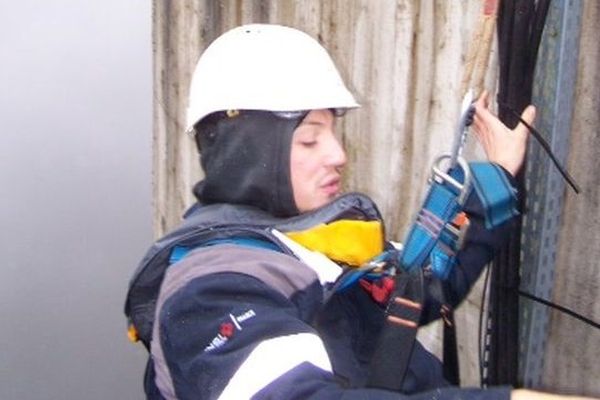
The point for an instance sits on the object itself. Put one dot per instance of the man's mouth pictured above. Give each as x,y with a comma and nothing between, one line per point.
332,186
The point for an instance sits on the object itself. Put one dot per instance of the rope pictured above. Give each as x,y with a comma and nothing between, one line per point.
478,56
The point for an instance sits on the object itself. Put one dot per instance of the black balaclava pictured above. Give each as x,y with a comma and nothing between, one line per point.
245,156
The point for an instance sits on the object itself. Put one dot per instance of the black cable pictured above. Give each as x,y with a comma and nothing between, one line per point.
545,146
560,308
482,378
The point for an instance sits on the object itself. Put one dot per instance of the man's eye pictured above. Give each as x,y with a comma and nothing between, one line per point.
310,143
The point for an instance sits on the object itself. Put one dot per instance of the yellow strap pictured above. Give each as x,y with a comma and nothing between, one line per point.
347,241
132,334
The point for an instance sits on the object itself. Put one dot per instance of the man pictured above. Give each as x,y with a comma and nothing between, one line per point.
250,304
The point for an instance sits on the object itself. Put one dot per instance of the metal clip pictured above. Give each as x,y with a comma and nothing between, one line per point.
466,114
442,176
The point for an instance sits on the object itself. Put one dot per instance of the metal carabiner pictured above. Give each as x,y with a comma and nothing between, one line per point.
466,114
442,176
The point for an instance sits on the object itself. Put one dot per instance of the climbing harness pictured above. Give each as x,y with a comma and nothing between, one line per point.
438,230
396,278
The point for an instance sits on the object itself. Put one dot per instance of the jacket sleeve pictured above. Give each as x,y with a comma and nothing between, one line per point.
479,248
233,323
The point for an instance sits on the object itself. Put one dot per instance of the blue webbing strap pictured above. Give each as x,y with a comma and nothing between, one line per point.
431,241
497,196
179,252
439,208
353,275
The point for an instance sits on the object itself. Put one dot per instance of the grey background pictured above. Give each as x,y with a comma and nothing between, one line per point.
75,194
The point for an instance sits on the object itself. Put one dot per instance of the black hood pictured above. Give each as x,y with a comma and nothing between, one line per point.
246,160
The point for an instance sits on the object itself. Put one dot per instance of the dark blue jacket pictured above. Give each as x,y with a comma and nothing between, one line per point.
238,322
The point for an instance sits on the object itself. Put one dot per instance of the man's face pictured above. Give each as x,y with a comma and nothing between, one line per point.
316,161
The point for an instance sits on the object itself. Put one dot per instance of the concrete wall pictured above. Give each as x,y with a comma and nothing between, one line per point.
75,203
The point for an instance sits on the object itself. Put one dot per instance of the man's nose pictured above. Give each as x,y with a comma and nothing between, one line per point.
336,155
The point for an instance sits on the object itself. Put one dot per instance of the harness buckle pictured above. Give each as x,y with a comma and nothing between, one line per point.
443,177
459,228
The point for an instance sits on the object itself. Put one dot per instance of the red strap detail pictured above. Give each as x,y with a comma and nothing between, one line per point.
380,290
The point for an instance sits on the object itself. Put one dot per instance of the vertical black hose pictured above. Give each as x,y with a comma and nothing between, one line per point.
520,26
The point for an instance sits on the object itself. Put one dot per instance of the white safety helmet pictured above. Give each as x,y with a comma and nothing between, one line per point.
265,67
